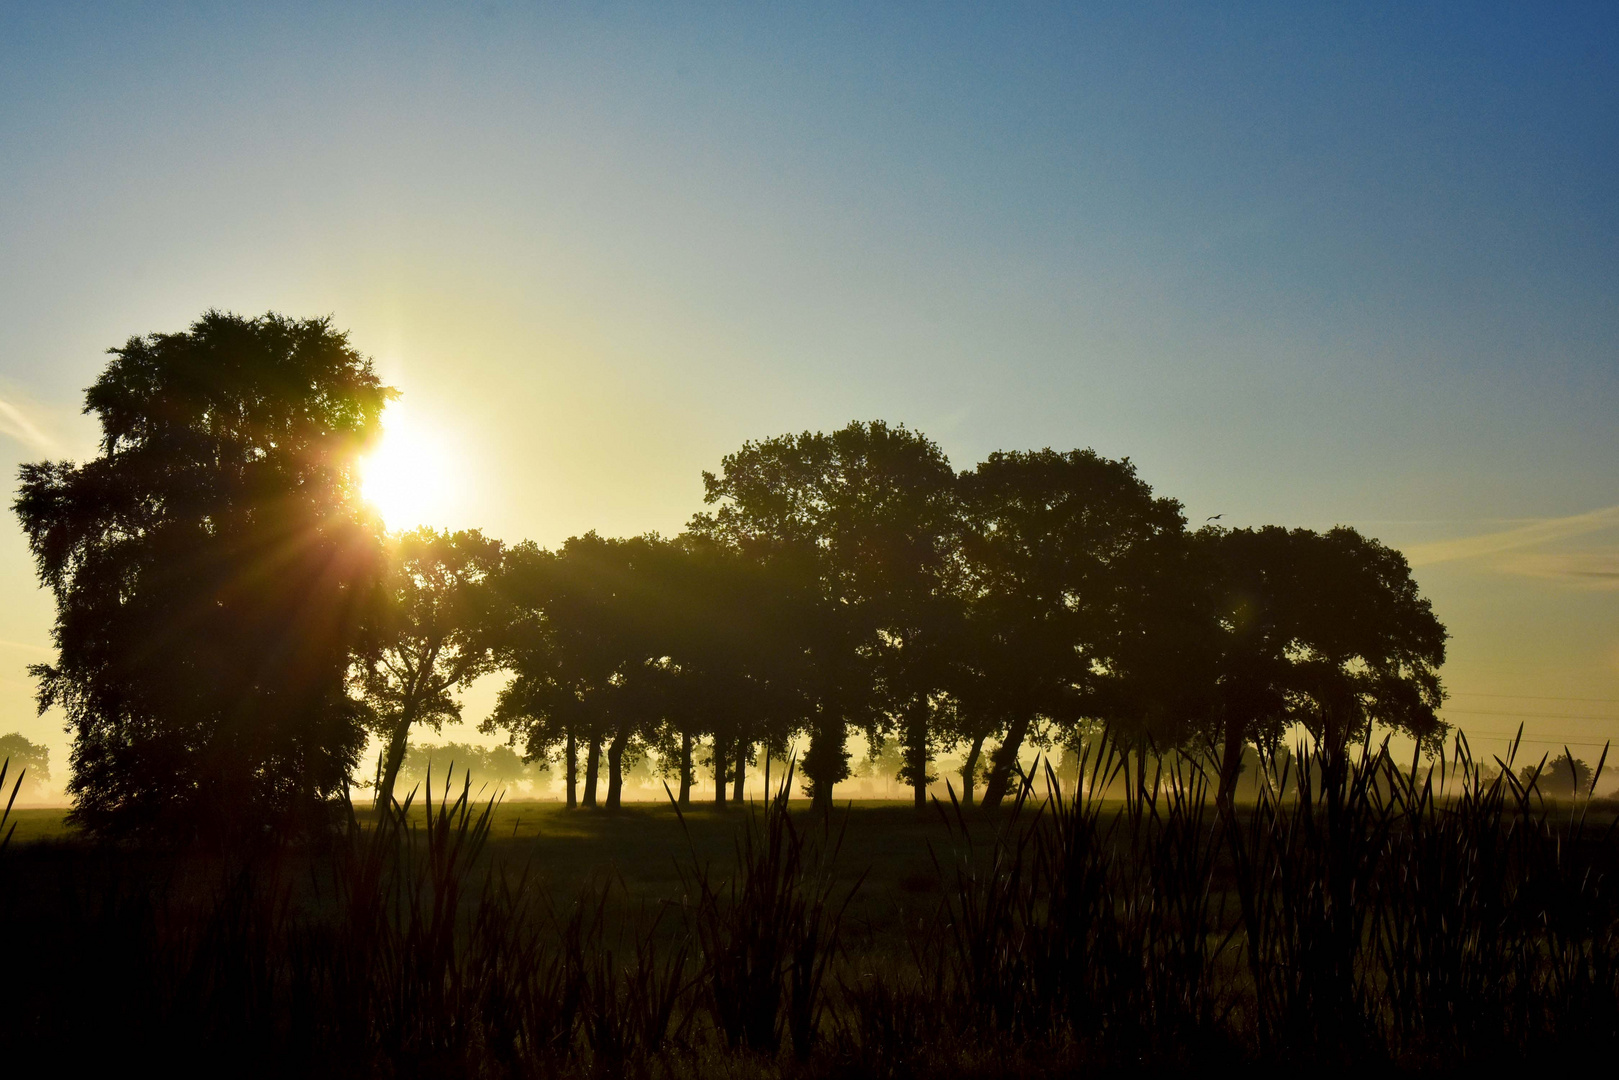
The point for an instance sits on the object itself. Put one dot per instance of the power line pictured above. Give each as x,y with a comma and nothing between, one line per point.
1536,697
1537,742
1530,715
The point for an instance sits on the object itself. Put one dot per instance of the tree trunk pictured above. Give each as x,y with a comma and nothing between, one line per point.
398,738
571,764
969,770
739,784
719,771
1141,766
1231,761
916,751
593,754
685,768
615,769
1004,761
827,761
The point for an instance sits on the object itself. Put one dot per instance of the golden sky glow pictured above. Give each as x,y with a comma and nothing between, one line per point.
408,477
1329,269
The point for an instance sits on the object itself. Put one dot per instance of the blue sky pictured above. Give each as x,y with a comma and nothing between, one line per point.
1304,264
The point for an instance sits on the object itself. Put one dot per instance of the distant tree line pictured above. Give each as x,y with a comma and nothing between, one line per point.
487,766
853,582
232,620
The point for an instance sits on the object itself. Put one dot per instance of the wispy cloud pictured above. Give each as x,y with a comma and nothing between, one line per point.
1592,569
1522,538
15,422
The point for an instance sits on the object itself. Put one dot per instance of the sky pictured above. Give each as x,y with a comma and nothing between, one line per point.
1303,264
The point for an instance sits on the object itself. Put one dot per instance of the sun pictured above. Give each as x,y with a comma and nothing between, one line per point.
407,477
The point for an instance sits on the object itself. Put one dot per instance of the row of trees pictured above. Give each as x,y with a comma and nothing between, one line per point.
231,619
852,582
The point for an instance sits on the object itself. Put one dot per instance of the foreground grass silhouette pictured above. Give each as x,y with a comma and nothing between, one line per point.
639,853
1365,921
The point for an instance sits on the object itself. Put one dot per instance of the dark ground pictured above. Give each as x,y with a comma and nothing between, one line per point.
644,855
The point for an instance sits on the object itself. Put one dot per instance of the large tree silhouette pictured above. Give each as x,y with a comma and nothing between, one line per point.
1062,551
560,665
579,645
1325,630
432,635
1369,648
622,645
865,513
216,578
211,570
732,631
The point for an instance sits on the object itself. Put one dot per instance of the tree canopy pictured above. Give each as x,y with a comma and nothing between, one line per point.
864,515
1324,630
432,633
1068,557
212,569
232,621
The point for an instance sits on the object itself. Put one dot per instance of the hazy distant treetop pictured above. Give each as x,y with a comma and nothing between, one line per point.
210,568
1563,775
31,756
496,765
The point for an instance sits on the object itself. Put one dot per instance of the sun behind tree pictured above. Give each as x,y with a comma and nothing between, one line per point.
406,477
212,571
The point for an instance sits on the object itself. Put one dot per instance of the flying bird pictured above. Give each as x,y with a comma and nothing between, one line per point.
1216,517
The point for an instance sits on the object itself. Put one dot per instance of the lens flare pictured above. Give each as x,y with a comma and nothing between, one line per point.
407,478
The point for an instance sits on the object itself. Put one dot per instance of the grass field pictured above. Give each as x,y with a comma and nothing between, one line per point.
1373,922
645,853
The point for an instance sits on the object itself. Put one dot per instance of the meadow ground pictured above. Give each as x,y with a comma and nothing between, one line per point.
892,861
1150,954
645,854
647,851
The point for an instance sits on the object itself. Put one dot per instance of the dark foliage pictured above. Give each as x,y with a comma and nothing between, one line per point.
433,632
769,937
211,570
1323,630
864,519
220,594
